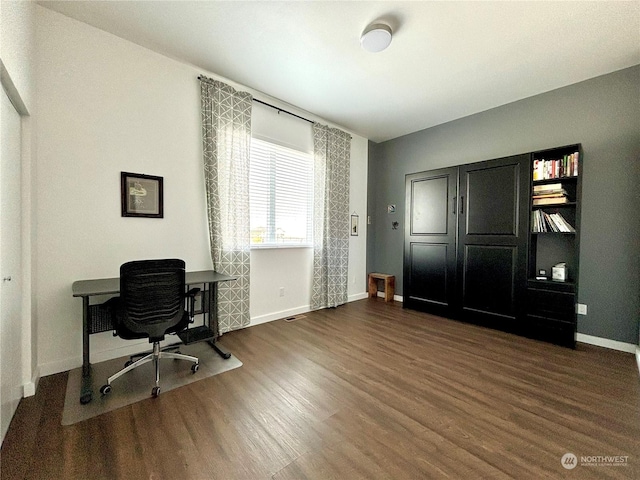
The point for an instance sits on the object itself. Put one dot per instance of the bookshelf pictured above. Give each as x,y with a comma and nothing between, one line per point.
554,232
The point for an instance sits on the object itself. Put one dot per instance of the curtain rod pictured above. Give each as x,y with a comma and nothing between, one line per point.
283,110
287,112
202,77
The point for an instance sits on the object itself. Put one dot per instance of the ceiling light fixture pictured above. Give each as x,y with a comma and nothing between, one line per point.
376,37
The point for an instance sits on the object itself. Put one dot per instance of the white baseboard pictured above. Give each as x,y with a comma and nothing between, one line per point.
59,366
396,298
29,389
270,317
358,296
607,343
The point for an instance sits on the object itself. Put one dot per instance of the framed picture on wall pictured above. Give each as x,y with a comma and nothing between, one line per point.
141,195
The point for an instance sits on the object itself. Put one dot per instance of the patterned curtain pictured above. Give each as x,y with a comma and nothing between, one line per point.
226,136
332,151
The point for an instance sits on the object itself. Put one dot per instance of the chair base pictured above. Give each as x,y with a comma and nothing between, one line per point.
155,357
136,356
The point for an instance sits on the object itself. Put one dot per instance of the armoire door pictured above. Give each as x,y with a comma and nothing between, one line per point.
429,282
492,239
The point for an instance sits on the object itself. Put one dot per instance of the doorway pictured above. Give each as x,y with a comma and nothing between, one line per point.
10,264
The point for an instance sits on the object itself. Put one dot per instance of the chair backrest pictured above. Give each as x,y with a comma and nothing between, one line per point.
151,298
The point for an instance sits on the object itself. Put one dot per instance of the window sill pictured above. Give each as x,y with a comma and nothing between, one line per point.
278,247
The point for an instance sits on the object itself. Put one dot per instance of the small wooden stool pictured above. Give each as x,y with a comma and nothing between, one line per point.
389,285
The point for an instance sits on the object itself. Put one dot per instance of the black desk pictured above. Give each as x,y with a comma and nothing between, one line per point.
96,319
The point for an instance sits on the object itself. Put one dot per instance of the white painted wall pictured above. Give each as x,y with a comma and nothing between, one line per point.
107,105
358,204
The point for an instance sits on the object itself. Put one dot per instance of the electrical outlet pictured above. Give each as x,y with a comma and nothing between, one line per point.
582,309
282,291
368,219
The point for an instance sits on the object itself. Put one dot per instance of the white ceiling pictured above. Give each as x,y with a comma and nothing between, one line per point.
447,60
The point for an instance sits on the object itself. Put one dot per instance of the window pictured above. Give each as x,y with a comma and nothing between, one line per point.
281,195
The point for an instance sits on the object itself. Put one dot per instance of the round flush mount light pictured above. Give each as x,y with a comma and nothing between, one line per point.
376,37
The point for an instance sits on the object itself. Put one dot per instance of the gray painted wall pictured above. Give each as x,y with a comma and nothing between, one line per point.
603,114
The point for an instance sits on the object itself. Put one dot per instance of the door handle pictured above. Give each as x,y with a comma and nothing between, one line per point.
461,204
455,205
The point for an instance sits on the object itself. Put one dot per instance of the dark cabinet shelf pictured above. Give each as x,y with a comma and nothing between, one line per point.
548,181
551,315
568,286
556,205
550,306
550,330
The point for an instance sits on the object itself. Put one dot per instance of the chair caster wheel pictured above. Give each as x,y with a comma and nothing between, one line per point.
156,391
105,389
195,367
127,363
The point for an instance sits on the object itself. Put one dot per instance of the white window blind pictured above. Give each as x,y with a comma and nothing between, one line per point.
281,195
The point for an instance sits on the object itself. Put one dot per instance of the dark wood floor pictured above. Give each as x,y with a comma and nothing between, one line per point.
367,390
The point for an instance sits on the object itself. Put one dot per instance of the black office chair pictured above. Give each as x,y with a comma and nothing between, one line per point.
151,304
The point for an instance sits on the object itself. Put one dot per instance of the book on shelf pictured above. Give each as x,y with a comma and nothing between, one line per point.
549,194
548,188
550,222
564,167
554,200
543,222
561,223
